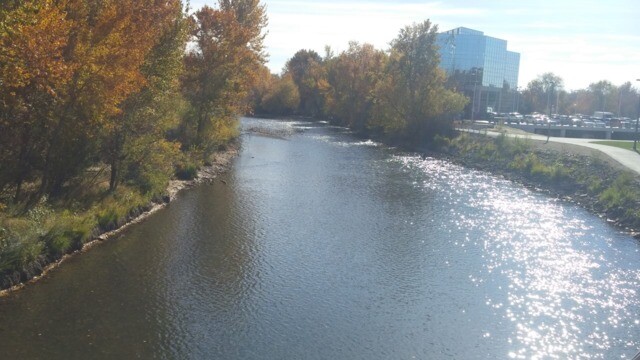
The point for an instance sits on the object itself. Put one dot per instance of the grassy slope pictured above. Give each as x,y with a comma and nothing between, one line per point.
597,185
33,236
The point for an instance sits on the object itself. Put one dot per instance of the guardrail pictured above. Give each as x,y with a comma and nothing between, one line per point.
578,132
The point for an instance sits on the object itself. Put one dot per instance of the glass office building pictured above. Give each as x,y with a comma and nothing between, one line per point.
481,67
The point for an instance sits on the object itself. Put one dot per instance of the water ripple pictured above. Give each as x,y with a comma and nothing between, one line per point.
564,296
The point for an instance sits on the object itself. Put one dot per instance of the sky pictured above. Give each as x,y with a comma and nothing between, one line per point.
582,41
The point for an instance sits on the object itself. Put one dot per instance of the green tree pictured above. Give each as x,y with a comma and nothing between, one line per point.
306,70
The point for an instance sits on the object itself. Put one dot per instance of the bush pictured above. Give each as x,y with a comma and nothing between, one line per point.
107,218
623,193
186,172
594,185
68,231
20,242
117,206
441,142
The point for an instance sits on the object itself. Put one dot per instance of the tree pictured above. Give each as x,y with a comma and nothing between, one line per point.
137,134
551,84
603,91
353,76
305,68
411,100
33,76
108,43
542,93
282,96
627,101
220,69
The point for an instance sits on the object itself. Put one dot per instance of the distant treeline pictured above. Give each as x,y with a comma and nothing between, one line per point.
545,94
102,102
398,94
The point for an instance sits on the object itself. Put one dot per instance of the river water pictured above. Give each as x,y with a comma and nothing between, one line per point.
319,245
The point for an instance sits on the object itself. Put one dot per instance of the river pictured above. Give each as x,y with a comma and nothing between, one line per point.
319,245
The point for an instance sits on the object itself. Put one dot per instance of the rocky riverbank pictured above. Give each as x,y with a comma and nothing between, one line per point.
42,265
583,176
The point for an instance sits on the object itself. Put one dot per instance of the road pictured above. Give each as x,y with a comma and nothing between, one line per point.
629,159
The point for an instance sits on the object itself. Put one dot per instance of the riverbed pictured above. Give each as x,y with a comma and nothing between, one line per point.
320,245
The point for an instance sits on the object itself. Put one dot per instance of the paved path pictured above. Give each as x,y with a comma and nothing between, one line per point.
629,159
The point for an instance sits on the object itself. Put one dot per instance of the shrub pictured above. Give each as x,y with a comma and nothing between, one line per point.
68,231
19,243
186,171
441,142
107,218
622,193
594,185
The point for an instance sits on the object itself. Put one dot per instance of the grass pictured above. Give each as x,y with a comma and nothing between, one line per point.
54,227
41,232
610,191
627,145
49,230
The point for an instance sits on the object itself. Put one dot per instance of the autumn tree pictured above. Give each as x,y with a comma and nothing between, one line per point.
108,44
72,69
264,80
353,76
282,97
227,48
134,144
33,75
411,101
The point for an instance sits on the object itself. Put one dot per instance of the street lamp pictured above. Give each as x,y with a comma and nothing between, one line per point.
635,137
475,85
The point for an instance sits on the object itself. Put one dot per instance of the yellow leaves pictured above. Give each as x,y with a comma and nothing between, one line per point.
222,66
31,48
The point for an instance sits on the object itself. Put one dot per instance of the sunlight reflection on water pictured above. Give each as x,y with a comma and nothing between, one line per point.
563,295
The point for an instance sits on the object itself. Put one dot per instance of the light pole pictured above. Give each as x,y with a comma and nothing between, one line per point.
475,85
635,137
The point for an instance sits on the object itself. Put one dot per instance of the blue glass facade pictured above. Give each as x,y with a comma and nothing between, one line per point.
464,51
481,67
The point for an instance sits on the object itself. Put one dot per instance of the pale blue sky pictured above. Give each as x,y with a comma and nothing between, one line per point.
582,41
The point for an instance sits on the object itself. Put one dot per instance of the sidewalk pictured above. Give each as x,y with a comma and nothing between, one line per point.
629,159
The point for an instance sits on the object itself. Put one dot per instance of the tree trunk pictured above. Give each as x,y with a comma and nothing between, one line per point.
113,181
16,197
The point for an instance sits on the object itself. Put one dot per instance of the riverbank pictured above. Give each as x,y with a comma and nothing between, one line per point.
101,230
573,173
